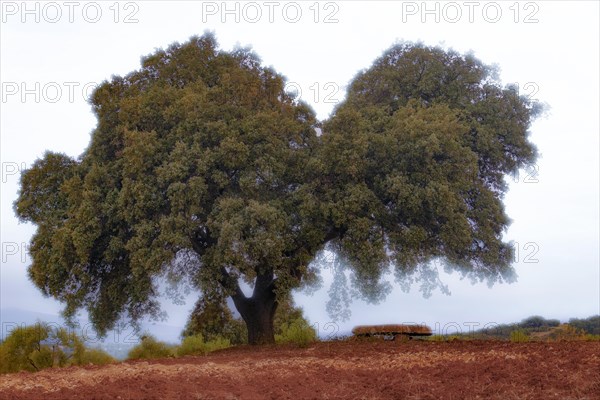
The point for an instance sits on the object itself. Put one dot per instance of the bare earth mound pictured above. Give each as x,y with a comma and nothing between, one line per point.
344,370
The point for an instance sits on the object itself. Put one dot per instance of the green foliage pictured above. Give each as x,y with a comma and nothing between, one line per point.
149,348
519,336
538,322
43,358
21,349
414,165
287,313
533,324
297,332
534,328
202,170
198,158
196,345
191,345
590,325
96,357
443,338
591,338
539,328
42,199
212,319
566,332
33,348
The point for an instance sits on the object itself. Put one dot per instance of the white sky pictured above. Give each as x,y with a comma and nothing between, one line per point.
556,52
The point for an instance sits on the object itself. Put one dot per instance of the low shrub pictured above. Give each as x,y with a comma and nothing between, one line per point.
40,346
447,338
191,345
519,336
196,345
149,347
23,349
591,338
566,332
298,332
589,325
217,344
96,357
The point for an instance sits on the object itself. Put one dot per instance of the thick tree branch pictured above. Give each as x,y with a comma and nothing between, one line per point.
201,240
332,234
231,284
264,283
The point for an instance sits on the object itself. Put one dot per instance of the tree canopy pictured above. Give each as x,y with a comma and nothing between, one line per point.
202,169
415,162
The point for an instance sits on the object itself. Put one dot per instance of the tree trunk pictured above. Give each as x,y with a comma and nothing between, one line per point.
258,315
258,311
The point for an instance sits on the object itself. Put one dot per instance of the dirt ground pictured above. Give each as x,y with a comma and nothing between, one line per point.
337,370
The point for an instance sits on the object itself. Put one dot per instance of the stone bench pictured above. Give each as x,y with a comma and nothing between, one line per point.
390,331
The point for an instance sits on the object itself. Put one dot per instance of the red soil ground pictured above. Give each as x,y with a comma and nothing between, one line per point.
337,370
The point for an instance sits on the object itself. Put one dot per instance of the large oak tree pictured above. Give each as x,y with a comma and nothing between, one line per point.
203,168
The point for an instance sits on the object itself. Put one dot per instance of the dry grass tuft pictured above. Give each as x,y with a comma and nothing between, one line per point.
390,329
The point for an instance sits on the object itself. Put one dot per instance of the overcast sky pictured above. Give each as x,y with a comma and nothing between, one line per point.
53,53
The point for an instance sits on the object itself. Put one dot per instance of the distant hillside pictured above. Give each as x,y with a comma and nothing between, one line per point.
10,317
539,327
590,325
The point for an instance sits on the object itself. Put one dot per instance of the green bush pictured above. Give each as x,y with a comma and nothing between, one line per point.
298,332
149,347
217,344
212,318
589,325
18,351
196,344
43,358
96,357
447,338
190,345
538,322
566,332
40,346
591,338
519,336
